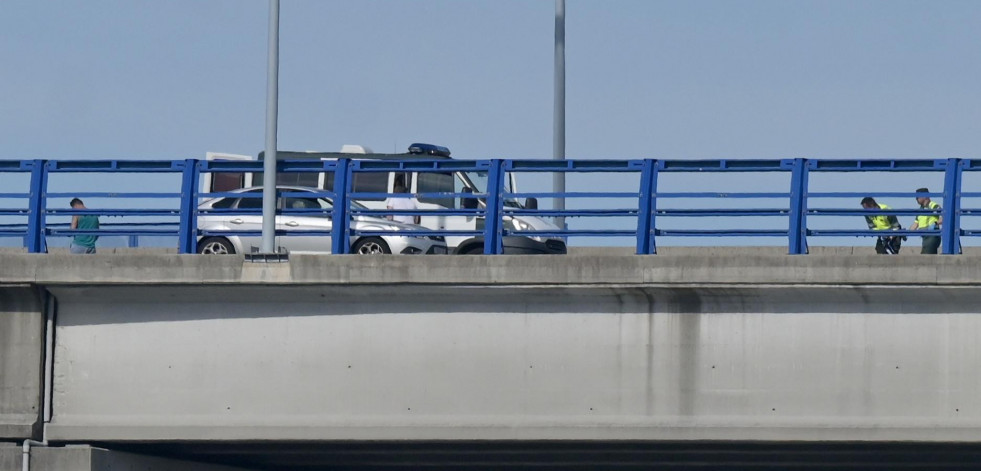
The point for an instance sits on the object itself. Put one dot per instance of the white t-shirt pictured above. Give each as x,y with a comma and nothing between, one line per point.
402,203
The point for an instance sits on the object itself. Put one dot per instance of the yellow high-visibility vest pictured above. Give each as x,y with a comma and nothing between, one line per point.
927,221
880,222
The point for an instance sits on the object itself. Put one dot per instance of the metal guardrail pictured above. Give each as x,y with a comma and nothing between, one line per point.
492,208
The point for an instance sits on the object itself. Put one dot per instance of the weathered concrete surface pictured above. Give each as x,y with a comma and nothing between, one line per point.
909,250
10,457
21,355
686,346
685,269
404,362
87,458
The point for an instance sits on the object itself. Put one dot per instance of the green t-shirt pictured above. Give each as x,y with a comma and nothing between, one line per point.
87,222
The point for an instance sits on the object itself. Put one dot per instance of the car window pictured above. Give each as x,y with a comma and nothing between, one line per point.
402,178
297,179
430,182
224,203
370,182
302,203
227,181
255,202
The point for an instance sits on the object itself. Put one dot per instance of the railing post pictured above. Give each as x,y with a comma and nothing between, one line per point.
950,230
798,208
647,207
37,203
494,214
188,237
340,233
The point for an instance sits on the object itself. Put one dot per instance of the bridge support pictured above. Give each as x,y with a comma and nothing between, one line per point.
21,362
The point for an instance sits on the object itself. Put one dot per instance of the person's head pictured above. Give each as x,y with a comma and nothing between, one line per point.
400,188
922,200
76,203
869,203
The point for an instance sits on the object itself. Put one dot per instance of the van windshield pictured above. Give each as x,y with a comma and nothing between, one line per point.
478,181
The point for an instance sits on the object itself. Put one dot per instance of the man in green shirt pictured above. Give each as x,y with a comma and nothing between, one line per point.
83,243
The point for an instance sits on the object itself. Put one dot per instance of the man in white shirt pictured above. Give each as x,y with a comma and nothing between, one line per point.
402,203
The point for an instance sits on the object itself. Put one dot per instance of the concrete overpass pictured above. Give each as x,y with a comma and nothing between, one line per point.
688,359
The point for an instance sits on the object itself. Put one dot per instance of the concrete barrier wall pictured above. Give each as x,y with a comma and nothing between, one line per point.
21,354
401,362
706,267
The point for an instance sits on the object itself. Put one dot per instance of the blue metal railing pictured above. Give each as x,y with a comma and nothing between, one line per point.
182,218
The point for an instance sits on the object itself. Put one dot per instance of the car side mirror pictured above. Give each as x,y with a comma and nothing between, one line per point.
531,203
466,202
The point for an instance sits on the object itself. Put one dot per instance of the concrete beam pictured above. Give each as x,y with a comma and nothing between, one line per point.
410,362
21,361
699,268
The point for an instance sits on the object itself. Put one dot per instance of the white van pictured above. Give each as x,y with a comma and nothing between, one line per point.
421,183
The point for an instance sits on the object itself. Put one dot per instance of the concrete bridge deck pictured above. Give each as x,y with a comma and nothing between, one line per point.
690,266
213,356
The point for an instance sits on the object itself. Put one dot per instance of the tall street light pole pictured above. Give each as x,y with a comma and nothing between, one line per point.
272,113
558,134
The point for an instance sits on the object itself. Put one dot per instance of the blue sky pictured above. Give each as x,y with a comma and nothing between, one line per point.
767,79
646,79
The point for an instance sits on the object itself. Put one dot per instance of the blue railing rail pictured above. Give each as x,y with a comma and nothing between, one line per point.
496,214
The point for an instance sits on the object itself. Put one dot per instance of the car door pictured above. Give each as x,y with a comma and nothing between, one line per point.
252,201
309,221
210,217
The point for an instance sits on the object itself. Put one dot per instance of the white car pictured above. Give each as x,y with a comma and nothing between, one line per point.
312,215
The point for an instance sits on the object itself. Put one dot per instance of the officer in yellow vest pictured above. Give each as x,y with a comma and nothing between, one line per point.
883,222
931,243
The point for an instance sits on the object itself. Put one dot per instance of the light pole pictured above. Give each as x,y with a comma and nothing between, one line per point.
272,113
558,133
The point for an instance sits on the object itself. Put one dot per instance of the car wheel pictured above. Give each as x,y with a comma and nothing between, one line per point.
473,250
370,246
215,246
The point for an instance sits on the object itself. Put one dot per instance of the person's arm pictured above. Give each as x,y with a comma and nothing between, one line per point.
74,222
868,220
914,226
388,204
894,222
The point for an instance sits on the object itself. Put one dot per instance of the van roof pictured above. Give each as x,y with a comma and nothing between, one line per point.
300,155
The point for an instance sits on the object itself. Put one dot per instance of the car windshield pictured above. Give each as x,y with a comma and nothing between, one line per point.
478,180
